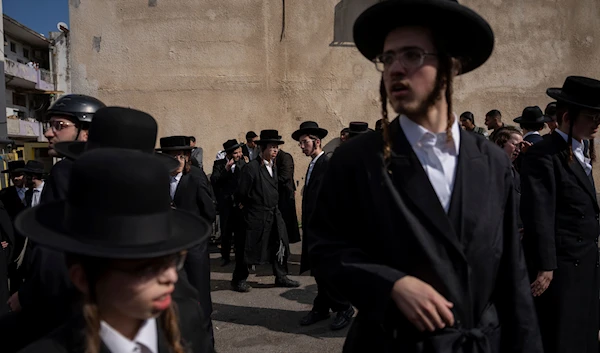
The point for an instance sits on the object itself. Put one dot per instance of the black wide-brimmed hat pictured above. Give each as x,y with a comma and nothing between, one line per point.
14,165
231,145
118,127
464,34
309,128
580,91
175,143
270,136
358,127
532,115
118,206
32,167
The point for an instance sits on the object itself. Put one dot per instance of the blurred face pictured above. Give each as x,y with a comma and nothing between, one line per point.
270,152
410,90
192,143
61,129
182,156
491,122
586,125
512,147
553,124
132,290
18,179
344,136
252,142
466,124
309,146
237,154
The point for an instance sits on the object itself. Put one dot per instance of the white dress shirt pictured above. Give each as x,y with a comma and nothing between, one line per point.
37,193
578,152
438,158
311,166
146,340
269,165
174,182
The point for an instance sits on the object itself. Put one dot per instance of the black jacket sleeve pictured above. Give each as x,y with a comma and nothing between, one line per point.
538,207
285,171
205,200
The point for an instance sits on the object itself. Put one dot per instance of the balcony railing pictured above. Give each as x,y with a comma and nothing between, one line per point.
19,70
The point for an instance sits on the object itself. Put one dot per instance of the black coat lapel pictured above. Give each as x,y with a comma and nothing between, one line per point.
270,179
470,184
411,181
180,192
575,166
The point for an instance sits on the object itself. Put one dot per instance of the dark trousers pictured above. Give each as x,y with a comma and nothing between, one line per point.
328,298
230,219
241,266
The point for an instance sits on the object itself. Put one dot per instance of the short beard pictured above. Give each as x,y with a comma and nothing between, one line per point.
431,100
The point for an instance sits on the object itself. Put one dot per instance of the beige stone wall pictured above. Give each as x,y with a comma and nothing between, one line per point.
216,69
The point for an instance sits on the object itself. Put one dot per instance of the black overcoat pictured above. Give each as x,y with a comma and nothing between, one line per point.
287,194
264,225
376,224
309,205
560,215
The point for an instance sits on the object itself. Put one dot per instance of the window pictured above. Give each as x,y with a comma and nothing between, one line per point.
19,99
13,47
26,53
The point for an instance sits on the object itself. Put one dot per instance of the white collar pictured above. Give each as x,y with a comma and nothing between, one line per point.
178,176
317,157
268,163
41,187
116,342
414,132
531,133
576,144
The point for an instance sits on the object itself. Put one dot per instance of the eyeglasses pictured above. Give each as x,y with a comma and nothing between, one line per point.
152,267
410,59
304,142
57,125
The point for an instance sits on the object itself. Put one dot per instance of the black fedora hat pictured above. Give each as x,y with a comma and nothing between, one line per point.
466,35
118,206
32,167
580,91
175,143
14,165
532,115
231,145
270,136
309,128
118,127
358,127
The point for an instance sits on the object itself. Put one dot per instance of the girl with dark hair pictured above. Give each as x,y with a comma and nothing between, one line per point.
124,250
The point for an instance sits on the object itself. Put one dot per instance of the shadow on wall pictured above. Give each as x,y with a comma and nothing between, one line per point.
346,12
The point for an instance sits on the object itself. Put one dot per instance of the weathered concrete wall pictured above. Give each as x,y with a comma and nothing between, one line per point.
216,69
61,61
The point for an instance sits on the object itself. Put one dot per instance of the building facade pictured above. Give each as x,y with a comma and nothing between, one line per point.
216,69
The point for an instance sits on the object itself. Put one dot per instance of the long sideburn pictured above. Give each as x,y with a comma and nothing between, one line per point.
170,325
387,143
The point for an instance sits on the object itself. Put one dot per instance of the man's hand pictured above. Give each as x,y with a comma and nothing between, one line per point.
541,283
229,164
525,146
422,305
13,303
4,244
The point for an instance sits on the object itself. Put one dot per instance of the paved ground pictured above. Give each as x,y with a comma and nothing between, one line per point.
265,320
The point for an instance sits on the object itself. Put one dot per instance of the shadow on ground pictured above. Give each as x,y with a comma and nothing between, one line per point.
274,319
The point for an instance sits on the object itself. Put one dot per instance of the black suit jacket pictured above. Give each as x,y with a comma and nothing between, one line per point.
287,197
309,204
377,224
57,182
560,215
12,202
193,194
533,138
226,182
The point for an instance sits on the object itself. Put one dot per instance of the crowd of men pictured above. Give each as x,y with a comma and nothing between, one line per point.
444,238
